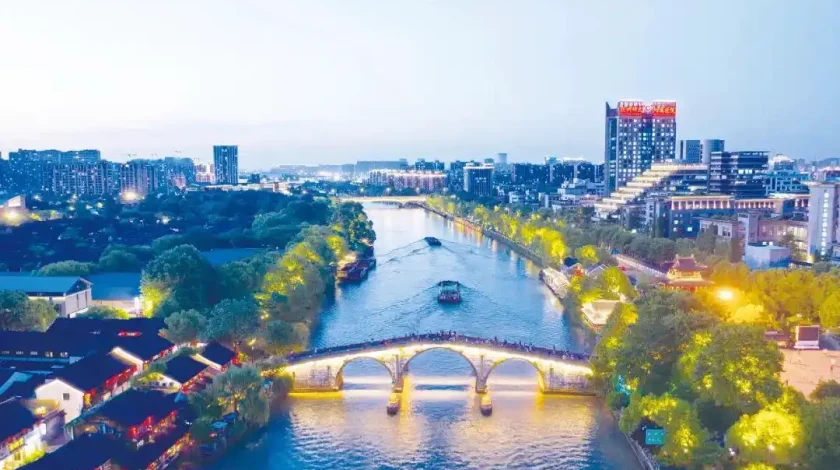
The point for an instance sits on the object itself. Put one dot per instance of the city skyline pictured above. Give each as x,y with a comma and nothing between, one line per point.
454,82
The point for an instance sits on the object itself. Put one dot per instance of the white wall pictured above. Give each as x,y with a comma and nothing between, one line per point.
56,390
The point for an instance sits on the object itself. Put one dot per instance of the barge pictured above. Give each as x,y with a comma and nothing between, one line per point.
432,241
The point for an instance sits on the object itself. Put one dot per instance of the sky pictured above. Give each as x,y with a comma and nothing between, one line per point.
317,81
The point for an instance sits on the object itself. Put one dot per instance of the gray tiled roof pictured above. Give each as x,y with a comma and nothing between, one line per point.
39,284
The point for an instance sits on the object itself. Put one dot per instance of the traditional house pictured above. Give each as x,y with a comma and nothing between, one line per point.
70,295
20,433
134,415
87,382
142,350
686,274
184,372
87,452
118,290
106,327
41,353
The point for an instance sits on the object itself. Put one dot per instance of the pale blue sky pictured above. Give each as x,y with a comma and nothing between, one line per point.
334,81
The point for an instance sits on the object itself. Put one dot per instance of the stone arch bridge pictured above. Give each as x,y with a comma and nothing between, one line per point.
322,369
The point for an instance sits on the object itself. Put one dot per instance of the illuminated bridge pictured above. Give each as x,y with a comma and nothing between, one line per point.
386,199
557,371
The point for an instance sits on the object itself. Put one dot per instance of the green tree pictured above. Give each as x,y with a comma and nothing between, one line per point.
233,319
739,368
185,326
587,255
770,436
826,389
614,280
605,357
67,268
99,311
707,240
822,428
242,391
829,311
118,261
686,441
238,279
176,279
18,313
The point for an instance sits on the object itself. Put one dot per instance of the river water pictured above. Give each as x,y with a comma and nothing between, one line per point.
439,425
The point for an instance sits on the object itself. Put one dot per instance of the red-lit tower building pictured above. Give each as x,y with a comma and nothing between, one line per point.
637,135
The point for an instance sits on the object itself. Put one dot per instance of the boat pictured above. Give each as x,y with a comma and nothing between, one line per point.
486,405
393,404
432,241
353,272
449,292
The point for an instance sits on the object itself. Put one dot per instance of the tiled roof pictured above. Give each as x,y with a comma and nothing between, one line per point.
218,354
86,452
14,419
96,326
183,368
132,407
92,371
58,285
115,286
145,347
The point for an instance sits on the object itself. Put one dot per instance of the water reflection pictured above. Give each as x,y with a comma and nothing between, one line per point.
439,425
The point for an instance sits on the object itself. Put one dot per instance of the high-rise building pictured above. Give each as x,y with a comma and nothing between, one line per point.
637,135
141,176
226,163
691,151
427,181
823,208
711,145
739,174
501,158
478,179
529,173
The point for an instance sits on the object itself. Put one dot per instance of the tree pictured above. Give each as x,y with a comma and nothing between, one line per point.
686,441
605,357
238,279
118,261
242,391
176,279
103,312
233,319
19,313
185,326
67,268
736,253
707,240
587,255
614,280
770,436
739,368
822,427
826,389
829,311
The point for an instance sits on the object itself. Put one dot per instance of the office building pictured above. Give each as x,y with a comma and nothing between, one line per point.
478,180
740,174
422,165
691,151
529,173
502,159
823,205
711,145
786,181
226,163
638,135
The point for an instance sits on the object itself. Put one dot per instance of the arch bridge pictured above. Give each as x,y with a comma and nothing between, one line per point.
557,371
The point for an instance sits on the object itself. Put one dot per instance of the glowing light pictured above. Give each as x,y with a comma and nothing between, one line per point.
12,216
130,196
252,341
725,295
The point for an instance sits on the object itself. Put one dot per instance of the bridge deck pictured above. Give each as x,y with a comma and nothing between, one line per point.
442,338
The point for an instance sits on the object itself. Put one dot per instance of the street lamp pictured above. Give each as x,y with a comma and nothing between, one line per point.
130,196
725,295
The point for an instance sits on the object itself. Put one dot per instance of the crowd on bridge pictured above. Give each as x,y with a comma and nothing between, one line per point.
444,336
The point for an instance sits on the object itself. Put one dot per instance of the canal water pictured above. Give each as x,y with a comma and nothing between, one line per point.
439,425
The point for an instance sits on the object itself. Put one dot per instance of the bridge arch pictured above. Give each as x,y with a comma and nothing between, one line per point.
540,374
340,374
441,348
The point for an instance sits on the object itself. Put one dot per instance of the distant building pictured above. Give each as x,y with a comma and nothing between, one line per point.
691,151
426,181
741,174
478,180
529,173
70,295
205,173
141,176
786,182
636,136
711,145
365,167
823,219
760,256
226,163
423,165
502,159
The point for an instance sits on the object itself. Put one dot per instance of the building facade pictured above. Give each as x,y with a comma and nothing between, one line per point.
691,151
637,135
421,181
226,163
824,199
708,146
478,180
739,174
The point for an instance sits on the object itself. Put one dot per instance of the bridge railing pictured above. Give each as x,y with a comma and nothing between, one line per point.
519,348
